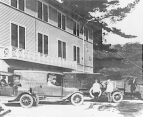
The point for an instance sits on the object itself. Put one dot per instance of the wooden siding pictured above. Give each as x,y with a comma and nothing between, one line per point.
5,1
33,25
10,15
56,34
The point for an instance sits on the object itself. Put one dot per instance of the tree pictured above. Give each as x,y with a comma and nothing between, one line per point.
98,11
130,65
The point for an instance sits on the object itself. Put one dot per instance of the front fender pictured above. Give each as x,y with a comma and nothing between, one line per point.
116,90
68,96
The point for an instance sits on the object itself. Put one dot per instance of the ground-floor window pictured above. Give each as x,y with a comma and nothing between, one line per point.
76,54
42,43
61,49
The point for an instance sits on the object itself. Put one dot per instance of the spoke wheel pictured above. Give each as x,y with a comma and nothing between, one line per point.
77,99
26,101
117,97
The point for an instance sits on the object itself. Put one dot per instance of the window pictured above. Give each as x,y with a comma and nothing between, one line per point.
75,28
61,49
76,54
42,11
40,49
19,4
45,12
14,35
45,44
17,36
21,37
39,10
86,33
14,3
42,43
61,21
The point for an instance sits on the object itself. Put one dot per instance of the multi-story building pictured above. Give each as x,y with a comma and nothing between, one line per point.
43,35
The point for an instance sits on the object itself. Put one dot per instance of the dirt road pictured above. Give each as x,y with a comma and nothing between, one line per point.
133,108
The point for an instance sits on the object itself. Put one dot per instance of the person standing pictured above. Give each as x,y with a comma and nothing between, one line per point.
96,89
109,90
133,86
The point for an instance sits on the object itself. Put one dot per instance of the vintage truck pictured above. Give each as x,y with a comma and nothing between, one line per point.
39,81
84,82
14,92
126,87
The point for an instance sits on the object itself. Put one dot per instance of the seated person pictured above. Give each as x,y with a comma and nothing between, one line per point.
52,82
3,81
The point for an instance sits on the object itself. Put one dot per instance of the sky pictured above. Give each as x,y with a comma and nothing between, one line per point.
132,25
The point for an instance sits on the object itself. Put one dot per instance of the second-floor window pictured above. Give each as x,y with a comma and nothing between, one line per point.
76,54
42,11
61,49
17,36
42,43
75,28
19,4
86,33
61,21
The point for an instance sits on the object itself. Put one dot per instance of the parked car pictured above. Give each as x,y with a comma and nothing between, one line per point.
116,95
138,93
12,91
84,82
50,86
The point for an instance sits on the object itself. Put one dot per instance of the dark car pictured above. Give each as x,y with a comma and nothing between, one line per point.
50,86
12,91
138,91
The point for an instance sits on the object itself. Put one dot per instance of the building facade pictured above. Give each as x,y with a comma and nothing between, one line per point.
42,35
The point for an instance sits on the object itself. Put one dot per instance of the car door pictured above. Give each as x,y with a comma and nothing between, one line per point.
54,90
6,91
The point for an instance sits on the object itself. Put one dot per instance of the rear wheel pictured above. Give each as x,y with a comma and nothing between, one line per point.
117,97
26,101
77,99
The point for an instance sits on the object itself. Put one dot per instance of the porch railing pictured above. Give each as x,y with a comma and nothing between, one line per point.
36,57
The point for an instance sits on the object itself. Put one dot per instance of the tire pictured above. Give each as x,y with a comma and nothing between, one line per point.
91,93
117,97
26,101
36,100
77,99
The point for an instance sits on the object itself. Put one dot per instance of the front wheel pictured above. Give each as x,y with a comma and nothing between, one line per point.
77,99
26,101
117,97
